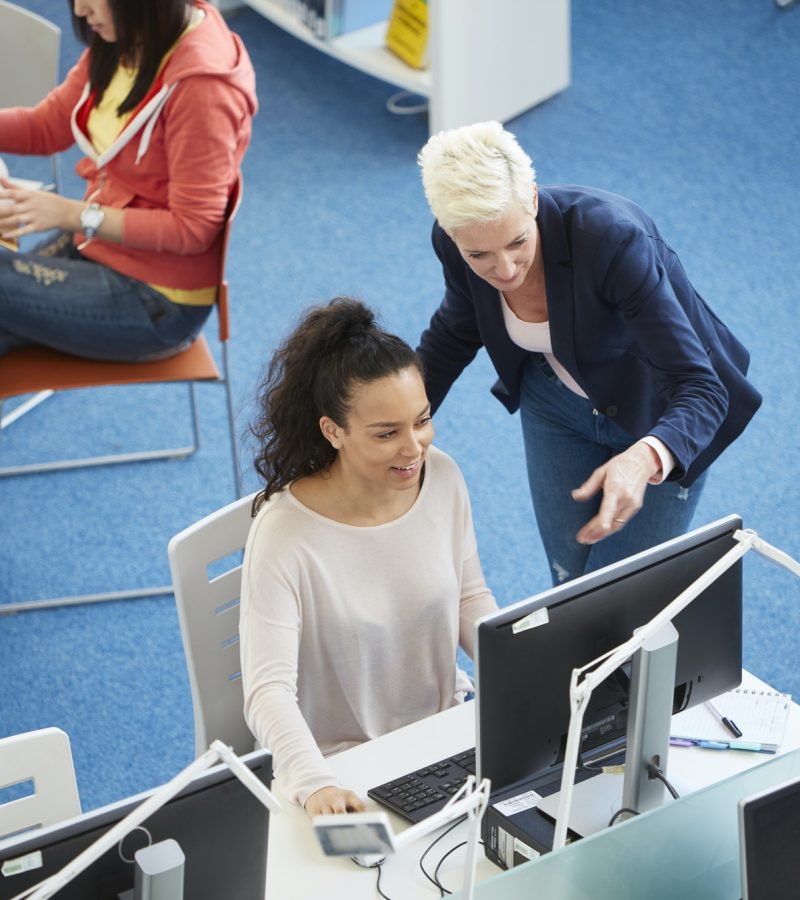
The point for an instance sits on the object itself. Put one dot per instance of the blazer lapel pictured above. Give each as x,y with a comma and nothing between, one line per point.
558,277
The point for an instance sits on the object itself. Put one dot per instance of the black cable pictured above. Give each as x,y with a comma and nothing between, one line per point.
378,882
439,866
376,865
654,772
619,812
586,767
430,847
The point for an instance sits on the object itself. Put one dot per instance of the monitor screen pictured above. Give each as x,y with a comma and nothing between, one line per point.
220,826
525,653
769,834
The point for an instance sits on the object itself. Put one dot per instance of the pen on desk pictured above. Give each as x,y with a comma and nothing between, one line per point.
728,723
753,746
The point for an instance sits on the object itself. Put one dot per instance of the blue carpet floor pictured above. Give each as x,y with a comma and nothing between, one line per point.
689,107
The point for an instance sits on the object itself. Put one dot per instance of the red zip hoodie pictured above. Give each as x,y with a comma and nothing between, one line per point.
173,165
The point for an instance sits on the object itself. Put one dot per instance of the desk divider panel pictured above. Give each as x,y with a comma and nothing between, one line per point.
686,848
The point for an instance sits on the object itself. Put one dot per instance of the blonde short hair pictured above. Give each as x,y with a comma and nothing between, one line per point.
475,174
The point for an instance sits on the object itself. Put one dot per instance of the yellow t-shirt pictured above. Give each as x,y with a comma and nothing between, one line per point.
105,124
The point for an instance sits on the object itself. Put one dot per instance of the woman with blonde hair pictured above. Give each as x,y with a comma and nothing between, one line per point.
628,385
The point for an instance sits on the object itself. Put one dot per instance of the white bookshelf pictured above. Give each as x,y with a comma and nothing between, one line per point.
489,59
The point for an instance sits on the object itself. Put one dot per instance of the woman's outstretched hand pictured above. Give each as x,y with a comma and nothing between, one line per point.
623,481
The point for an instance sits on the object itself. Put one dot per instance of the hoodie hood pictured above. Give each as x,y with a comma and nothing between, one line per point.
209,50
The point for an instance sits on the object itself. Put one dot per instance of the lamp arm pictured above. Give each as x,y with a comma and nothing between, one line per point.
611,661
135,817
578,701
259,790
468,799
754,542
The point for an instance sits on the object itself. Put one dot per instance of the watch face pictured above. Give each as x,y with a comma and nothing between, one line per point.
91,218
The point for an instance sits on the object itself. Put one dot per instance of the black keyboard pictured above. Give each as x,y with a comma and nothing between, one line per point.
420,794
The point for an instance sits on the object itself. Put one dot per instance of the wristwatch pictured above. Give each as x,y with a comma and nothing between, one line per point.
91,219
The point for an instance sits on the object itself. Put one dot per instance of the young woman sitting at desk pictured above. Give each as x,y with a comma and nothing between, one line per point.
361,574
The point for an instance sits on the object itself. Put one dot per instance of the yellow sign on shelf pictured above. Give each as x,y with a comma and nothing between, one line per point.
407,34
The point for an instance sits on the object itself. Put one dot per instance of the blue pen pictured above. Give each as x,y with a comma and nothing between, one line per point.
713,745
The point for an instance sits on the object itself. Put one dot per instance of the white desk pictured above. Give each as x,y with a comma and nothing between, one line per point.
298,870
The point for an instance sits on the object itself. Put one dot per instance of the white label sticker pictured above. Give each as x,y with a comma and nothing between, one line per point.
518,804
505,848
524,850
23,863
532,620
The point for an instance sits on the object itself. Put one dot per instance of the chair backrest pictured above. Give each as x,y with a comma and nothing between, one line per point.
208,610
44,758
234,202
30,48
29,54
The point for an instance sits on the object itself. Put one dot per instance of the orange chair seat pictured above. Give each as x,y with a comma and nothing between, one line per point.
34,369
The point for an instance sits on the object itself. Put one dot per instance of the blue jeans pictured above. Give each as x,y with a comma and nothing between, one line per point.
565,441
53,296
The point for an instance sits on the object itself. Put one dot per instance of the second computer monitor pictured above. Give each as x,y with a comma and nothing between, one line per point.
525,653
221,827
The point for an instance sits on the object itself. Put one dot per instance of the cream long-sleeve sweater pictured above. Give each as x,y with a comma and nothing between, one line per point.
350,632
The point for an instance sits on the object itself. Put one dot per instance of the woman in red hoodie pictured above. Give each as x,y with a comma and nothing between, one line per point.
160,104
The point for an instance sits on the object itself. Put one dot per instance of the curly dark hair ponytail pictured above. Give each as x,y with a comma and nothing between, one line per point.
313,373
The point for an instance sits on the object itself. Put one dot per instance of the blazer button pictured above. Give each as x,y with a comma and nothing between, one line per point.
611,411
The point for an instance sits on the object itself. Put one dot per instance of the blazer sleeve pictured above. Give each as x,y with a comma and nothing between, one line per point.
645,279
452,338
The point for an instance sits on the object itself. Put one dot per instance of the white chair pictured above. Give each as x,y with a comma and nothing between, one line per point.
29,60
30,49
45,758
208,610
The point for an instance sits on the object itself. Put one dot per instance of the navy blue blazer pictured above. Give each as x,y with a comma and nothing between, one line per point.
625,322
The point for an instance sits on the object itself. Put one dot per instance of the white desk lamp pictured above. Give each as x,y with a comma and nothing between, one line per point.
367,837
217,752
579,693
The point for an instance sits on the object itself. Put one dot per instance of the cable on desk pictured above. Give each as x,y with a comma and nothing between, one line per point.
434,881
377,866
378,882
619,812
586,767
439,866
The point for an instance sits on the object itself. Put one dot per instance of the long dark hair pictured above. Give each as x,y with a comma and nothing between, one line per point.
333,350
145,30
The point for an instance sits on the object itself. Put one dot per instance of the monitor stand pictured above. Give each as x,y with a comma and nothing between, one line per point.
596,800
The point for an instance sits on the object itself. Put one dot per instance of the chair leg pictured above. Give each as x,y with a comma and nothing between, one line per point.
109,459
31,605
237,471
24,407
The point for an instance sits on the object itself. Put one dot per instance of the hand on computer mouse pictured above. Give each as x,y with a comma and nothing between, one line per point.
333,799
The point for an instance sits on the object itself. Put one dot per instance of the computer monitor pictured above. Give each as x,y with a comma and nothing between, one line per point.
220,826
769,837
525,653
